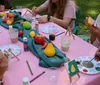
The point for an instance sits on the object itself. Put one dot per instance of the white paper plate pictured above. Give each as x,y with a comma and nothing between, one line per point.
48,28
86,70
14,48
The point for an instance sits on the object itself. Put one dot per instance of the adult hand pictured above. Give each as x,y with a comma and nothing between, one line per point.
97,55
43,19
34,10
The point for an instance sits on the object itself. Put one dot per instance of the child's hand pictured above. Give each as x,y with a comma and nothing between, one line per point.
97,55
43,19
34,10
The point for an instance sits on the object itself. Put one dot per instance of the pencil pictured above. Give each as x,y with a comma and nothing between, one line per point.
60,33
37,76
29,67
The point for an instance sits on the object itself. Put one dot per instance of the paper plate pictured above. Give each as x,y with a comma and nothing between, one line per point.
93,68
48,28
14,48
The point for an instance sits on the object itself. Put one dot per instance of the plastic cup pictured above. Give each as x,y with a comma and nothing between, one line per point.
28,17
52,75
14,35
65,42
51,33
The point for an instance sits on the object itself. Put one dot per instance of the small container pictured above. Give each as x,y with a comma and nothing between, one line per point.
26,81
37,25
25,43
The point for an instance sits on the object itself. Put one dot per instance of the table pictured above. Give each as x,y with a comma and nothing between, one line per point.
18,69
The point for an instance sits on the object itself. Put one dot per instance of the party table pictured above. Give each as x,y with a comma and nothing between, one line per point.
17,70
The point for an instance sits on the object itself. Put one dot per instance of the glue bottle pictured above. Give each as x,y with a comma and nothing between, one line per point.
36,25
10,29
25,43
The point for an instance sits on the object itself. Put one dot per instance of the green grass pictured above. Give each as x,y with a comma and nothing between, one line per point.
87,7
27,3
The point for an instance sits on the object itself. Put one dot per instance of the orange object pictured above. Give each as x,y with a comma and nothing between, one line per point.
10,15
44,45
21,23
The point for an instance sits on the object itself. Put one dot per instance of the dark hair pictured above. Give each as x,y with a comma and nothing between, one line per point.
58,10
6,3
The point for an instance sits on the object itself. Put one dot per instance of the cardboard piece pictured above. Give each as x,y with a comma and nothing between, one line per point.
72,69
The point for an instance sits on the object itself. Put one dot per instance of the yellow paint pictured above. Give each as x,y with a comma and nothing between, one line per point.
72,68
49,50
32,34
89,21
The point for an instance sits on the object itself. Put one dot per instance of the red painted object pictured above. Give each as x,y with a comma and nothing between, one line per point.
39,39
85,70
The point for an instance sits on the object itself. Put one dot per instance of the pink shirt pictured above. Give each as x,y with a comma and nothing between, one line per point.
69,12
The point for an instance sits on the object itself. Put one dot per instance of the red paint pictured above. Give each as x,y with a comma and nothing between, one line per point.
84,70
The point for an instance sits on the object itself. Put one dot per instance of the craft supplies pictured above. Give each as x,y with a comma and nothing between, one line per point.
60,33
37,76
26,81
25,43
29,67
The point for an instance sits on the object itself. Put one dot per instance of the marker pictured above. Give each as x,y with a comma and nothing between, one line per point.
37,76
60,33
29,67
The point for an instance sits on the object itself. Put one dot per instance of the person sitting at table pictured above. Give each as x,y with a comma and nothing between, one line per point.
95,31
61,12
3,66
97,54
5,5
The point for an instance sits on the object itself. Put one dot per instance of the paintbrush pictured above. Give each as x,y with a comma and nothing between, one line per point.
91,60
13,54
70,32
29,67
60,33
37,76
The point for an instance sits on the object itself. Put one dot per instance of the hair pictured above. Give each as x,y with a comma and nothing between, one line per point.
59,9
6,3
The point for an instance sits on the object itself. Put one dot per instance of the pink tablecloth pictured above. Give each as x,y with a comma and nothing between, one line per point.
18,69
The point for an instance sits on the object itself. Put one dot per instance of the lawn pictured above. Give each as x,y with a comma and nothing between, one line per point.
87,7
